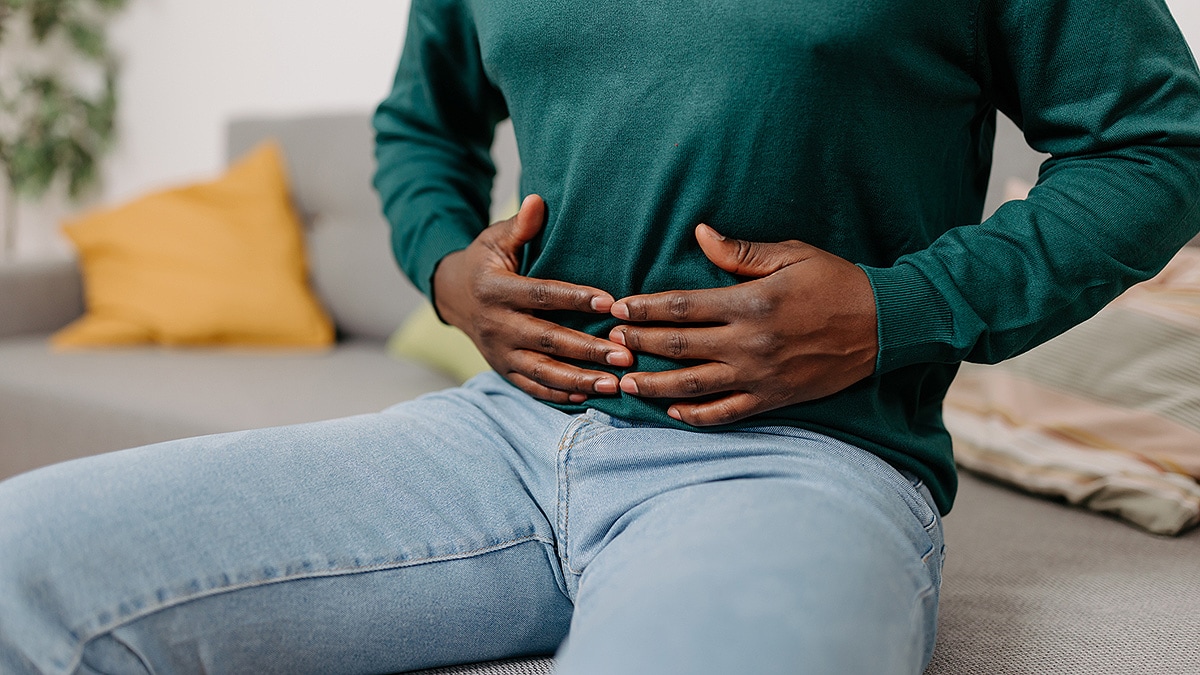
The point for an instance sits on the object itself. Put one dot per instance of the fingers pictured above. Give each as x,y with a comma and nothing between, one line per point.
518,292
727,410
676,343
554,340
544,377
714,305
750,258
701,380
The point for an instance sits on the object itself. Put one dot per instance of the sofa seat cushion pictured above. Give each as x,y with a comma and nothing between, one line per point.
58,406
1033,587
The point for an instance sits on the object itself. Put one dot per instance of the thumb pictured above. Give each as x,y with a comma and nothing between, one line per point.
750,258
526,224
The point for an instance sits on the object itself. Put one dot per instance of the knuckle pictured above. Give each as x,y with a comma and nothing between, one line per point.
540,295
546,341
758,305
537,372
581,382
637,310
679,306
486,329
677,344
595,351
767,343
744,252
692,383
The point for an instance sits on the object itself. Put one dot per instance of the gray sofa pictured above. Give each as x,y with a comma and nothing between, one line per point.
1030,586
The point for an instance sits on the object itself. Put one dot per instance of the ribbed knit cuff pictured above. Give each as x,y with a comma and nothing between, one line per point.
437,243
914,319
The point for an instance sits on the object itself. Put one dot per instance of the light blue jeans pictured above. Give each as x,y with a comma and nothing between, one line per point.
470,524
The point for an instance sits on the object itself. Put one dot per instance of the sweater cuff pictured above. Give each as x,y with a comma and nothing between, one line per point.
914,320
435,245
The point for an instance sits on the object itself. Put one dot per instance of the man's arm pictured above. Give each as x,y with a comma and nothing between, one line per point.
1109,89
433,135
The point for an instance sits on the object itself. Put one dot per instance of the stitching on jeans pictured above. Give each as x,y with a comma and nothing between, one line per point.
319,574
568,442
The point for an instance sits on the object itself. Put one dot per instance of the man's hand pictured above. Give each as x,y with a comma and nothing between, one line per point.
803,328
478,290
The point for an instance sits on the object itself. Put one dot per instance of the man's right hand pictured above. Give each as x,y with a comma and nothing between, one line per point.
479,290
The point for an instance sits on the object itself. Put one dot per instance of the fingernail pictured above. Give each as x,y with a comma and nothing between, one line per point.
577,398
617,335
622,359
629,386
606,386
601,304
620,310
716,235
674,413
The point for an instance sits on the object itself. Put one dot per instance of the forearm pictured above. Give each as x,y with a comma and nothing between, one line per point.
1118,198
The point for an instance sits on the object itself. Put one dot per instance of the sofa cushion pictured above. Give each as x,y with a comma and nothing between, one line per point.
58,406
1032,587
220,262
356,277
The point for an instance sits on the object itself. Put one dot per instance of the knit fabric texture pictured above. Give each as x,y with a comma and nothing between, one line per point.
862,128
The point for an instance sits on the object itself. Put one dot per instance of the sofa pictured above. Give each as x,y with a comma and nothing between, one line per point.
1030,586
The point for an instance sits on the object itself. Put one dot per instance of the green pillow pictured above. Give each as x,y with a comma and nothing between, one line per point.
423,337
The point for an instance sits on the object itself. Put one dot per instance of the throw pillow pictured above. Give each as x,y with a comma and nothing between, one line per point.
1106,416
423,337
216,263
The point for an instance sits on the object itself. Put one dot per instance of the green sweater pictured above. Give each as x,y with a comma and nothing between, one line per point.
863,127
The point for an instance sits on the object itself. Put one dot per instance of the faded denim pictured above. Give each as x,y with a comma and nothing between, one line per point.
470,524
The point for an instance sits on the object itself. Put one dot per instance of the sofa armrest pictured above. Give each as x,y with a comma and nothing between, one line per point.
39,296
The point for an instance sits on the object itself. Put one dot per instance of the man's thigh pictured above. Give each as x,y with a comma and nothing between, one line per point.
822,560
404,539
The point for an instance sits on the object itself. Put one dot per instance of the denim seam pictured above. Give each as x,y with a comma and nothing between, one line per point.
332,572
571,439
564,492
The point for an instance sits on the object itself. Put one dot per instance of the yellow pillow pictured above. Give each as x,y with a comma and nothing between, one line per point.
216,263
423,337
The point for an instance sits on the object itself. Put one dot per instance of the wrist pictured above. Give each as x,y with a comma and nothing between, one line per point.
445,286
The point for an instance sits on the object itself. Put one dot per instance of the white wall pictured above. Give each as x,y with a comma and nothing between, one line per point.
1187,13
192,64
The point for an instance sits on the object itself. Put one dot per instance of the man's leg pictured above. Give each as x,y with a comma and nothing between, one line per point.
765,554
401,540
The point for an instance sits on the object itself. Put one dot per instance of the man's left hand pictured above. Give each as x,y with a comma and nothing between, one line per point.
802,328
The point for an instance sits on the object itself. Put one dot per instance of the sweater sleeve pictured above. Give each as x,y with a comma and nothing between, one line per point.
433,134
1110,90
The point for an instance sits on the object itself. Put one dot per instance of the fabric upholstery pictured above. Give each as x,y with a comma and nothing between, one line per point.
58,406
355,276
39,296
1033,587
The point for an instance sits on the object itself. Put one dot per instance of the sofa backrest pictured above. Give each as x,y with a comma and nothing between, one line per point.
331,161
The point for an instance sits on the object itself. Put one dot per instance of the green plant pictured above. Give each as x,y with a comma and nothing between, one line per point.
50,125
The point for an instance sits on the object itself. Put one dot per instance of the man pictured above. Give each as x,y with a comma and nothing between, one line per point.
722,325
